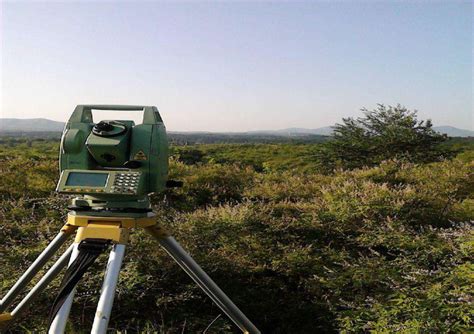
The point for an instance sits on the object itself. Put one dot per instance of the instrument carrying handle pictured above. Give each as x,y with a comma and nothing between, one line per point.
83,112
116,107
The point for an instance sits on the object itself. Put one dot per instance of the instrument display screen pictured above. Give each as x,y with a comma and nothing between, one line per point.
87,179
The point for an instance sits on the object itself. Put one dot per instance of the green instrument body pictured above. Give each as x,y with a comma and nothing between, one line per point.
113,164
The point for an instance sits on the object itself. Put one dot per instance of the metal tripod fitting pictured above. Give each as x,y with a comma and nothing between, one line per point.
186,262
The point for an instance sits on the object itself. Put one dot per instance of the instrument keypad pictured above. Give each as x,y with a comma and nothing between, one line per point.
126,182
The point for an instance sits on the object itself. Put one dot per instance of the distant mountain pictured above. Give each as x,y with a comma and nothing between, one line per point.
30,125
46,125
451,131
324,131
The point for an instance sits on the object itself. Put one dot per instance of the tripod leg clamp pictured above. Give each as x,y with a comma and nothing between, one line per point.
4,317
68,229
157,231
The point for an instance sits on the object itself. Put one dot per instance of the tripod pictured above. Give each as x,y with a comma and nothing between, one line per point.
115,230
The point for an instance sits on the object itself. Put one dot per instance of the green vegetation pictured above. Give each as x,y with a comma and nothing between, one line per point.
261,157
379,249
383,133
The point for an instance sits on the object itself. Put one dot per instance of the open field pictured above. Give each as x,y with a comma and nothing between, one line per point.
380,249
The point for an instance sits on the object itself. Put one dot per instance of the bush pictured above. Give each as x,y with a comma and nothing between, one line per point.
383,133
206,185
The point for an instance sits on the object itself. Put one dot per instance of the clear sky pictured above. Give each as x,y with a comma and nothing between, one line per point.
242,65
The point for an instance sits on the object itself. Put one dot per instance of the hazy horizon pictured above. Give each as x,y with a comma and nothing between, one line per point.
239,66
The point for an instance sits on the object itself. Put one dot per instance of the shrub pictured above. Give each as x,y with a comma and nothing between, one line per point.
383,133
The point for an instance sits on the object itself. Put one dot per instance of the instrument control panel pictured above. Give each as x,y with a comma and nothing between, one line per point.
95,182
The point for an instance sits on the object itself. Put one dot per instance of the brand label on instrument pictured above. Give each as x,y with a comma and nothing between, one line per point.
140,156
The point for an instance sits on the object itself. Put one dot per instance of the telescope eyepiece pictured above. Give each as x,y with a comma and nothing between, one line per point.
103,126
109,129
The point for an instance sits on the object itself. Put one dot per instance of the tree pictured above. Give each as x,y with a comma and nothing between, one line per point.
383,133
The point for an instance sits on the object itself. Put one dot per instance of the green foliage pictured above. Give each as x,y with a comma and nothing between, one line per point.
205,185
383,133
261,157
380,249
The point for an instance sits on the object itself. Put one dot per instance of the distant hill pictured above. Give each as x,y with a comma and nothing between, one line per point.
324,131
46,125
451,131
30,125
